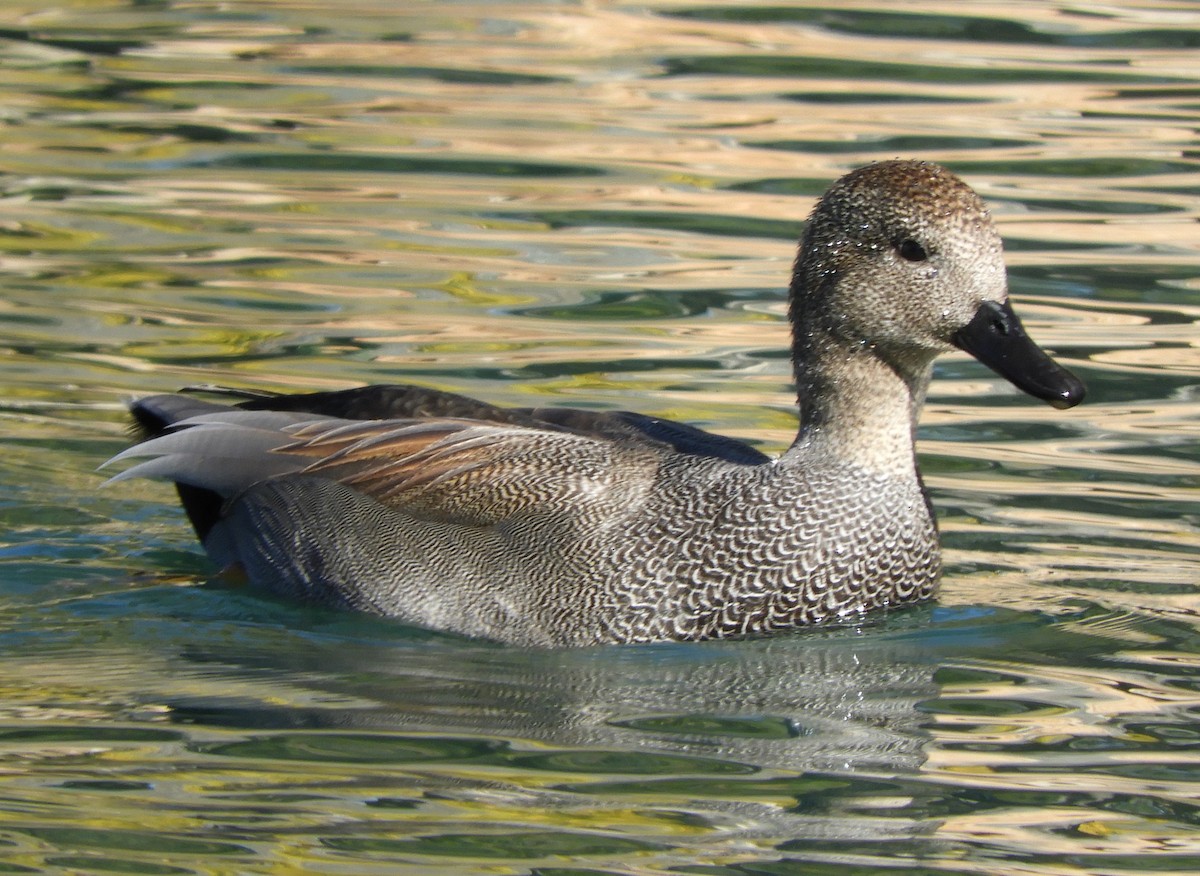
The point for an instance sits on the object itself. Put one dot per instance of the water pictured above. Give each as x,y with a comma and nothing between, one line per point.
592,204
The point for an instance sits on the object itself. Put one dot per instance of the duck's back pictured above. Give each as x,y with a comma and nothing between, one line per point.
539,531
677,548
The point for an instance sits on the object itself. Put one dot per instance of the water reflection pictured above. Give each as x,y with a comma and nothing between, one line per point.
374,738
836,702
596,205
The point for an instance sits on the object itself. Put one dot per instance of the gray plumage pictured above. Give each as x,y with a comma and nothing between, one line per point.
555,527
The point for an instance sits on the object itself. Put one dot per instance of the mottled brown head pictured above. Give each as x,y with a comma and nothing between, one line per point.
902,258
898,255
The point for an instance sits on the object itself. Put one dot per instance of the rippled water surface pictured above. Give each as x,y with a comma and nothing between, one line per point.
592,204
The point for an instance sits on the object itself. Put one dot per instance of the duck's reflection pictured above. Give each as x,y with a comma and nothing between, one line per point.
840,699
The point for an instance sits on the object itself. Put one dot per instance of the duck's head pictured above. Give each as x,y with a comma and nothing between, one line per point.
902,257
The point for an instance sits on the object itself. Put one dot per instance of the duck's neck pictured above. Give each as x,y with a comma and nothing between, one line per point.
855,407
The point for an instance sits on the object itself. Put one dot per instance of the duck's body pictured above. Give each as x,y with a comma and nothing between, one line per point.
556,527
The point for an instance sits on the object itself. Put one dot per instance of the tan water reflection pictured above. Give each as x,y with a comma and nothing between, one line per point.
592,204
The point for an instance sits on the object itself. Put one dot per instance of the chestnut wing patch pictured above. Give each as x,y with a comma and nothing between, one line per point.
469,472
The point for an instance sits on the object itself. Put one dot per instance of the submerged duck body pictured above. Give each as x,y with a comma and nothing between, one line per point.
559,527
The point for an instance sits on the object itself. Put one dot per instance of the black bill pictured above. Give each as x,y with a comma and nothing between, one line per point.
996,338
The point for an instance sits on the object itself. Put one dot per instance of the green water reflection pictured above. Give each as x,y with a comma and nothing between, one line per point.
554,203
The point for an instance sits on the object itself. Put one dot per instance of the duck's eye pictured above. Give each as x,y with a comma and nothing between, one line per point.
911,251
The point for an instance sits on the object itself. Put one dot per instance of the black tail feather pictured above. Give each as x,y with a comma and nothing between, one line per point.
156,414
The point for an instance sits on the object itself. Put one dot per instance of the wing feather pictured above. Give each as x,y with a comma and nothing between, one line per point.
481,473
454,470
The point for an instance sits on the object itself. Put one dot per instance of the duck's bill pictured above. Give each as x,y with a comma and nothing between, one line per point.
996,338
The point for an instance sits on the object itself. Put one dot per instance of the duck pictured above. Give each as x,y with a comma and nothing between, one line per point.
555,527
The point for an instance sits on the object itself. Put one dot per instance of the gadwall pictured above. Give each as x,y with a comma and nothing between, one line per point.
550,526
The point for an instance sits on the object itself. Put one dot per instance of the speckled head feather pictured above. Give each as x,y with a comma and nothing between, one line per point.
898,255
559,527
